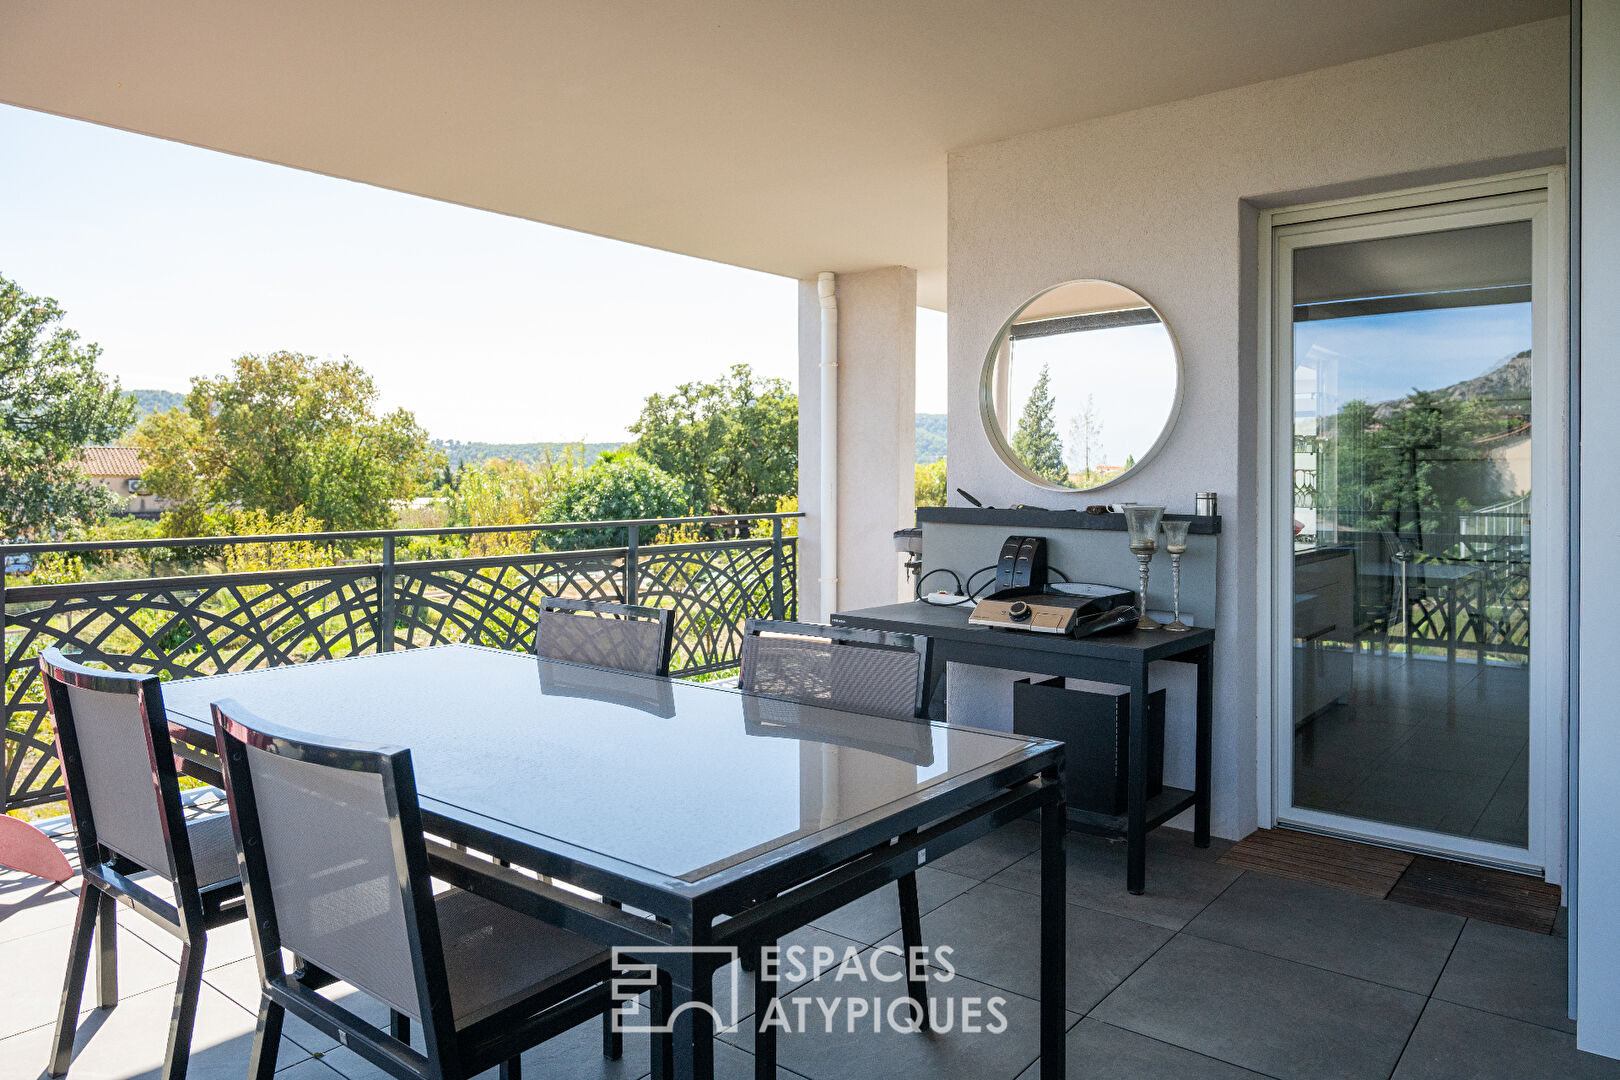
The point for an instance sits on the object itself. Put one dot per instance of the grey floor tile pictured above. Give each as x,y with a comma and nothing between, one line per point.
1178,843
802,955
226,944
308,1069
1512,972
993,935
1177,888
29,905
1272,1016
35,966
1452,1041
1099,1051
1394,944
127,1043
877,915
1005,1042
989,855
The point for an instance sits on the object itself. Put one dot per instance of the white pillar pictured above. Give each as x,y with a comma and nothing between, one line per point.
877,394
1596,914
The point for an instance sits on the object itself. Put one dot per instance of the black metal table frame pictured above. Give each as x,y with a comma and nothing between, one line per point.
756,901
1097,659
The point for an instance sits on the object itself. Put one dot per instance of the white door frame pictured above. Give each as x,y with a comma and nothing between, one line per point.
1538,196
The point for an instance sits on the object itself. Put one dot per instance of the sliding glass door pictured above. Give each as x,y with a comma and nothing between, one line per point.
1409,350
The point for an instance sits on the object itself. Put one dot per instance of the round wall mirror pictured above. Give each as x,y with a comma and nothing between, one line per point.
1081,386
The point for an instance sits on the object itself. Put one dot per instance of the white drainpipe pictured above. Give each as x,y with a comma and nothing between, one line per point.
825,284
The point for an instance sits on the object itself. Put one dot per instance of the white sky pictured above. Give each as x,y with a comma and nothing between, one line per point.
176,260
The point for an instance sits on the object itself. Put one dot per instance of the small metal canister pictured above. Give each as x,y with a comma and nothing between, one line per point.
1206,504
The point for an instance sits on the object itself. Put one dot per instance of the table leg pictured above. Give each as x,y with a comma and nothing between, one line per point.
1054,936
692,998
1204,730
1136,786
663,1045
764,1037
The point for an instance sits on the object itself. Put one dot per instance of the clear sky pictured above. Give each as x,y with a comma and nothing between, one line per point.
490,328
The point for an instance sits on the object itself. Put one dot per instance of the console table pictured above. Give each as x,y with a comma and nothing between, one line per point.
1120,658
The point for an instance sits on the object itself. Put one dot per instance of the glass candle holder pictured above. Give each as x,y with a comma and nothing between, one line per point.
1142,528
1175,542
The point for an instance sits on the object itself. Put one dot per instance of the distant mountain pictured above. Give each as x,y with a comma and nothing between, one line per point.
1508,381
148,402
930,437
457,452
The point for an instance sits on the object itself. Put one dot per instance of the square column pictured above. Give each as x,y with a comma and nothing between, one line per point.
876,451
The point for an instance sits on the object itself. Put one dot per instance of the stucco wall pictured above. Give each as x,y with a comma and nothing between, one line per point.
1164,200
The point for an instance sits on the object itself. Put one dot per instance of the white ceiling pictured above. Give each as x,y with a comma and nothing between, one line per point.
786,136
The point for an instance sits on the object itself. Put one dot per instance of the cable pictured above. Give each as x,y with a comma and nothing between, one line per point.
1054,570
917,592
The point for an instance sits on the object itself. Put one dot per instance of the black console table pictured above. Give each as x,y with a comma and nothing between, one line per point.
1112,658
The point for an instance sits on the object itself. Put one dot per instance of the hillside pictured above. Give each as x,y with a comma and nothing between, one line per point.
148,402
930,437
1507,381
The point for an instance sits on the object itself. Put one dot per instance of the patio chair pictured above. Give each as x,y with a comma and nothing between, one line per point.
851,670
336,869
124,797
623,637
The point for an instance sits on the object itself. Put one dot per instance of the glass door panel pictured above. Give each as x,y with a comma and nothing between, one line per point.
1412,374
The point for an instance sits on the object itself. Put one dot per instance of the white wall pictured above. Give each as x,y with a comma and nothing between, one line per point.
1164,200
877,393
1597,842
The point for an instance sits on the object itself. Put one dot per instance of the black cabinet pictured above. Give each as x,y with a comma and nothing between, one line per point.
1096,729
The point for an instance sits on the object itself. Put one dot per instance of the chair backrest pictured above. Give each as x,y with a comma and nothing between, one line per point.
122,788
334,861
840,667
619,636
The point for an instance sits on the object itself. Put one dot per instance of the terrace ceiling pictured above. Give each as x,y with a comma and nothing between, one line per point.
789,137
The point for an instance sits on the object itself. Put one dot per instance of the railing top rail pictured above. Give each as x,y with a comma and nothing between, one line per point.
373,534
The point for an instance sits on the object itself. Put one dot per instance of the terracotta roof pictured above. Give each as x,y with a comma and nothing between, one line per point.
111,461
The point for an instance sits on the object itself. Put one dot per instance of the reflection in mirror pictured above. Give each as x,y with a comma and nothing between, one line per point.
1081,386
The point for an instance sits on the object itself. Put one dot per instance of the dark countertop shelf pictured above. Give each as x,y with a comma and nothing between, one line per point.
931,620
1034,518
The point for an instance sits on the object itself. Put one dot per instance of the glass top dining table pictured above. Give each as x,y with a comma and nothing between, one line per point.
686,800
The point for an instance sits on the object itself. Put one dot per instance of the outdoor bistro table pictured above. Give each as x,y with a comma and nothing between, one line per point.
732,819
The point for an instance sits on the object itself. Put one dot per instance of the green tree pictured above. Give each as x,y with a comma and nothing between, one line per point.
930,484
53,403
1036,439
281,432
618,487
733,443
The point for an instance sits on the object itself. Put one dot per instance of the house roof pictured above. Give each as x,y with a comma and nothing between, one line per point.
111,461
790,138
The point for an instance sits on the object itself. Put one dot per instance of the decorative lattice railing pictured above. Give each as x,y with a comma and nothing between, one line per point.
202,624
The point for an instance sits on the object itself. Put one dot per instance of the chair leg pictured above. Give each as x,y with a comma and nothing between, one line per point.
612,1041
184,1017
266,1041
911,939
106,950
512,1069
764,1031
399,1026
67,1020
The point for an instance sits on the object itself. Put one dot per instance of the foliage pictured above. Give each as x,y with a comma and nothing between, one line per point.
1413,468
456,453
733,443
1036,439
285,431
619,486
53,403
283,555
499,492
930,437
930,484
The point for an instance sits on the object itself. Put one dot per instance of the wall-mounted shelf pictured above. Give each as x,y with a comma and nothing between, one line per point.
1052,519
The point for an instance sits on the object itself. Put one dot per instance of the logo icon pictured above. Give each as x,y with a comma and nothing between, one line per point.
640,973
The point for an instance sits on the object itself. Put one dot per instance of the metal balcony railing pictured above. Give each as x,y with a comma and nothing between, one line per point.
369,601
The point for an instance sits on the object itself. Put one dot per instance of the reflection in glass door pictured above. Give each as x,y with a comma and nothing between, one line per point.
1411,345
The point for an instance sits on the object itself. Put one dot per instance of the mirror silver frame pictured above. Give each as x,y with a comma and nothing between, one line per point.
987,403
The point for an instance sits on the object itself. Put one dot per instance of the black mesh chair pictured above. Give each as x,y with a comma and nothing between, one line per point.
851,670
619,636
124,796
336,870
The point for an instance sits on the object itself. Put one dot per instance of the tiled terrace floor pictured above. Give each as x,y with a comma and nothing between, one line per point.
1215,973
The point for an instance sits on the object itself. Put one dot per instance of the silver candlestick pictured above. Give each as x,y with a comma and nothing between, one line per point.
1142,524
1175,542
